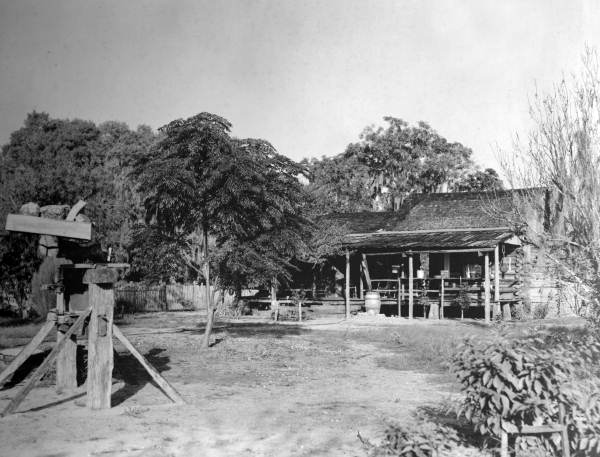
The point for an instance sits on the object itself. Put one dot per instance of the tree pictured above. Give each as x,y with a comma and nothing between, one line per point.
480,181
390,163
561,155
58,161
220,204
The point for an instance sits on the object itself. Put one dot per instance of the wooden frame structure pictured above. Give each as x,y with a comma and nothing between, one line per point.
96,318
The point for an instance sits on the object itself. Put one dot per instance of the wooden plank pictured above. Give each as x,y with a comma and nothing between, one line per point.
45,226
66,360
366,272
442,293
74,211
274,302
46,364
27,351
410,287
486,286
347,291
497,308
100,346
161,382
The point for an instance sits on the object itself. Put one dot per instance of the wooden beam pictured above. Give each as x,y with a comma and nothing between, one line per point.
366,272
410,287
430,251
399,293
347,291
26,351
274,303
45,226
442,298
486,285
497,308
66,360
46,364
158,379
100,346
361,284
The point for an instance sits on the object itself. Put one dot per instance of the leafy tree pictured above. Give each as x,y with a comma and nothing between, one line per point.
480,181
202,188
562,155
338,183
57,161
388,164
404,159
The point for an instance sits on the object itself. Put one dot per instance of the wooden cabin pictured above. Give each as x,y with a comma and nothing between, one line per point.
437,256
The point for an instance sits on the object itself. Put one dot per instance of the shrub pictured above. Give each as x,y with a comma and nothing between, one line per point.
419,439
541,311
511,382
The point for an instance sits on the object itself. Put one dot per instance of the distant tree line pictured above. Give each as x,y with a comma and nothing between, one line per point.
192,202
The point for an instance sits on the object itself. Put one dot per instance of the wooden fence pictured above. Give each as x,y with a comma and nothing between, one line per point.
171,297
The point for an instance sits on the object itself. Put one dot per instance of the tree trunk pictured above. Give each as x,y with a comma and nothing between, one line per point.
210,309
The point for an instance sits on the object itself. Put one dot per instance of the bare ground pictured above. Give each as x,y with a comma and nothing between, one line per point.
263,390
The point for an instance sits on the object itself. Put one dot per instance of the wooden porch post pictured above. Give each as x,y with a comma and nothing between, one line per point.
486,286
361,283
347,284
410,286
497,309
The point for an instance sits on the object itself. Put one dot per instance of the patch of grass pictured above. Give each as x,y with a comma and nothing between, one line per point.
19,335
427,348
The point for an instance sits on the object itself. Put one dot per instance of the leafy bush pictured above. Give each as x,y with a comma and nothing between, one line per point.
511,382
541,311
419,439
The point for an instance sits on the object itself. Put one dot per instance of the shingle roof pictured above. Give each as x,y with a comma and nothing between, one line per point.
429,240
452,220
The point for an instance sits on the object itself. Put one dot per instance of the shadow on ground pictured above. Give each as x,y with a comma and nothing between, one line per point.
252,329
134,375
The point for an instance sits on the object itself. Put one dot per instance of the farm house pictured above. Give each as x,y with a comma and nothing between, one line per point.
438,255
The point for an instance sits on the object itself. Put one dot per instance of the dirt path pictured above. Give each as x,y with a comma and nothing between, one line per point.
261,391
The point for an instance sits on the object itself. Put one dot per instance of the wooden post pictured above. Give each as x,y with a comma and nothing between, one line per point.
274,303
347,292
100,345
361,283
66,361
497,309
401,300
158,379
41,370
366,272
442,299
399,293
486,286
410,286
26,351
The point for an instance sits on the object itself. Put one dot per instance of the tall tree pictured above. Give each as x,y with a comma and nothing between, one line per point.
562,155
202,188
388,164
58,161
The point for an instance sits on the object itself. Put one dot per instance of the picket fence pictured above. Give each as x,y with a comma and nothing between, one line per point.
171,297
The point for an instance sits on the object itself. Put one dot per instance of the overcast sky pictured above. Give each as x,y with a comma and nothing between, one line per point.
306,75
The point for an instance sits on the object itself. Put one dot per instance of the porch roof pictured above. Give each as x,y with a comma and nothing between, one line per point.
423,240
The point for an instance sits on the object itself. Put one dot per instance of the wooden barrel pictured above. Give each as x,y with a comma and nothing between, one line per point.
372,302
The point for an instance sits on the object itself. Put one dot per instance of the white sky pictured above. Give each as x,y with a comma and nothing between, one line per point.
306,75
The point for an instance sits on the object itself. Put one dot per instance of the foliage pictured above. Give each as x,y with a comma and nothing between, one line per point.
58,161
198,182
480,181
419,439
463,298
562,156
509,382
18,261
388,164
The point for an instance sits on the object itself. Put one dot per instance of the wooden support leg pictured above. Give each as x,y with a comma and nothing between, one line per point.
66,361
100,346
26,352
506,312
46,364
486,286
158,379
410,287
434,312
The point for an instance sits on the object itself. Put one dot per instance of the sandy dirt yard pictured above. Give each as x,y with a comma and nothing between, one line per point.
264,389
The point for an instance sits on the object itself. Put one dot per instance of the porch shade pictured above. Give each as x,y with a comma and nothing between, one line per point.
422,240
